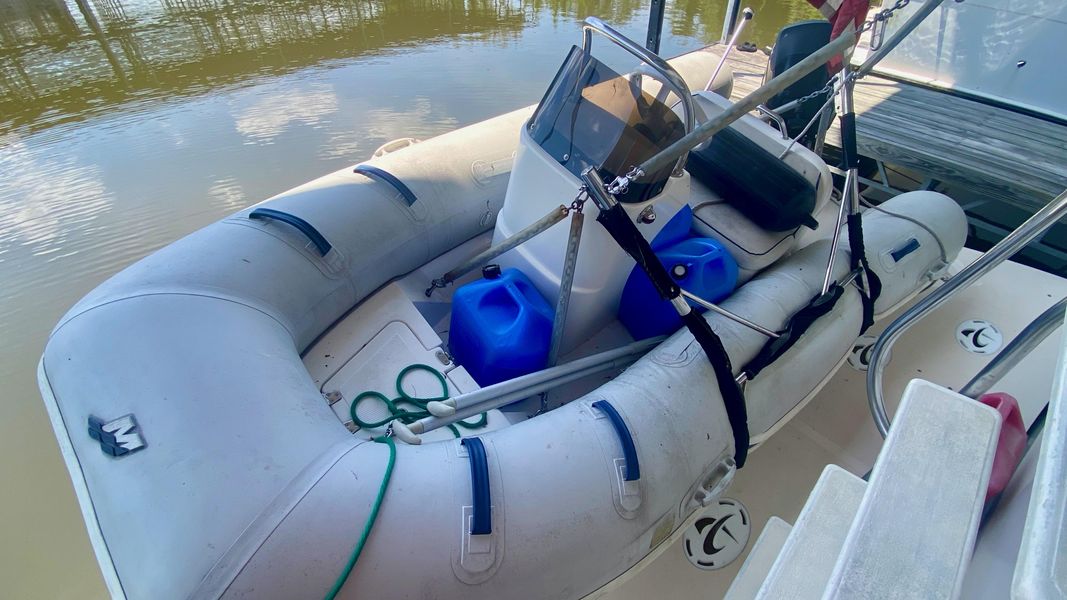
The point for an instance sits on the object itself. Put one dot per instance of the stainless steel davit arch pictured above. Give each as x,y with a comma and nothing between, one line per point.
666,73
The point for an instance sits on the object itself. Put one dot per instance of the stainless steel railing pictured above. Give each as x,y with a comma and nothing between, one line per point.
1023,344
1005,249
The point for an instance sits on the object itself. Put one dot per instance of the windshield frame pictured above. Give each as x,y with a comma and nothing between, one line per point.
591,116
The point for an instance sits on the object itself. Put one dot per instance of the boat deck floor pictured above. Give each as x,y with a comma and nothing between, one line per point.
836,426
995,152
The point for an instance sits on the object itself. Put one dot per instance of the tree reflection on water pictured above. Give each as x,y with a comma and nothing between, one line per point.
61,60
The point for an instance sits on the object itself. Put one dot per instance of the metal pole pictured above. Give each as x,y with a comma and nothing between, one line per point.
748,14
505,392
466,411
850,191
566,282
820,117
1016,350
655,25
835,242
1003,250
521,236
729,315
740,108
824,126
730,19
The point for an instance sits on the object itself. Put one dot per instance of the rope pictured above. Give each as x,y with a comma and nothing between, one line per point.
396,413
387,440
405,416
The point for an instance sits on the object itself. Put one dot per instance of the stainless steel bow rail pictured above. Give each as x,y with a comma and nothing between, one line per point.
1015,241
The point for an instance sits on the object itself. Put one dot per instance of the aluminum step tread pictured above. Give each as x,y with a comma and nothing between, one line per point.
809,554
915,529
760,558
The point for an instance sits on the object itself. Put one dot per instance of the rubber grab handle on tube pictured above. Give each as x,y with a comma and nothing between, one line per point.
320,242
629,451
387,177
482,523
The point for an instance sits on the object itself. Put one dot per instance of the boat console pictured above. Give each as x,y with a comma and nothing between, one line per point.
592,116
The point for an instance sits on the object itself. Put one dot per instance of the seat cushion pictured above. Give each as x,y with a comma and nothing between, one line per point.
753,247
754,181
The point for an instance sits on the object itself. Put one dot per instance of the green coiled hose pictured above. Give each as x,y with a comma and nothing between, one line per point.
407,417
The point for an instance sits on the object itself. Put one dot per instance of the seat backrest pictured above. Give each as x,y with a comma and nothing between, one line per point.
793,44
756,182
733,207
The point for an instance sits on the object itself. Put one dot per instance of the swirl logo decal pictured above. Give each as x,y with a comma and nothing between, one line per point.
860,356
979,337
718,536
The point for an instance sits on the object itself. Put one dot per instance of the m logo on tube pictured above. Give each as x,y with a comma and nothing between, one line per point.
119,437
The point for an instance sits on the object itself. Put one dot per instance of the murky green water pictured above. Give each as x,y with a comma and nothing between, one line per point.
127,124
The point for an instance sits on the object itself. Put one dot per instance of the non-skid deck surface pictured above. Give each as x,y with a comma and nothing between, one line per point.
1004,155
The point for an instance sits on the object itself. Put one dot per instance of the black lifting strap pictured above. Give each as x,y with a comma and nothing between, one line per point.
858,260
625,233
858,256
798,325
822,304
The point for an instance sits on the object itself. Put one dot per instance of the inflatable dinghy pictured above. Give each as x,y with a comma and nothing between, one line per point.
216,402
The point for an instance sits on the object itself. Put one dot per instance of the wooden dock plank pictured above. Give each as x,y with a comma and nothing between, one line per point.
1002,154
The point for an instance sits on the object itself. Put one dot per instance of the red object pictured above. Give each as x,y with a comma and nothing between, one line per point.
844,15
1012,442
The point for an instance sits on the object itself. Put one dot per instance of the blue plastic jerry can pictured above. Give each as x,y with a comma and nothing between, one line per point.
699,265
501,327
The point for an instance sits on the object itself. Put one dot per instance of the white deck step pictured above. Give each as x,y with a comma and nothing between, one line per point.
763,554
916,526
808,556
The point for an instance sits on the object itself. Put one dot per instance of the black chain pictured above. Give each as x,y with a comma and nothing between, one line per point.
826,90
881,16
